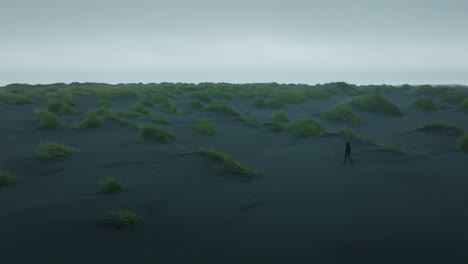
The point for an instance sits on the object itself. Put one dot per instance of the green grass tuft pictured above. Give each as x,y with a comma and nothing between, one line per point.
307,128
376,103
442,127
251,121
173,108
111,185
181,148
154,132
202,97
48,120
205,127
279,116
289,96
227,164
424,103
220,106
348,134
343,113
464,104
92,120
462,143
453,97
276,126
160,119
122,219
140,109
51,150
197,104
259,102
5,178
275,103
10,98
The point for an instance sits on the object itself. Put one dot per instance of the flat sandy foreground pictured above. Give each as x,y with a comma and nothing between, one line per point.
305,207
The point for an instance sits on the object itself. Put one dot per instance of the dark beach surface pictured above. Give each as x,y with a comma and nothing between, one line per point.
305,207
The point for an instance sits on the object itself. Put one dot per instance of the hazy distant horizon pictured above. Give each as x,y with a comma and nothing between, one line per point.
316,41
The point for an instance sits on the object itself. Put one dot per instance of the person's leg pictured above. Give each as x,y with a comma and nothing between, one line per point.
345,157
349,156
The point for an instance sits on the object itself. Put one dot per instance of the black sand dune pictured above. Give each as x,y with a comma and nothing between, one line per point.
306,207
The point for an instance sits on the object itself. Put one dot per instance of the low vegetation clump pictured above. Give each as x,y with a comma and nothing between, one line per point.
202,97
251,121
424,103
59,106
48,120
140,109
462,143
430,90
111,185
317,93
376,103
173,108
147,103
52,150
123,113
5,178
348,134
154,132
291,97
227,164
181,148
197,104
121,219
92,120
442,127
104,102
275,103
160,97
342,113
205,127
120,120
220,106
453,97
276,126
259,102
279,116
307,128
464,104
10,98
160,119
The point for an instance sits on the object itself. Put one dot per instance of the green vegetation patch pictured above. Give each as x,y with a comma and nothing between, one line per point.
276,126
376,103
121,219
160,119
251,121
59,106
348,134
205,127
442,127
5,178
111,185
342,113
259,102
52,150
220,106
140,109
202,97
275,103
464,104
317,93
453,97
279,116
10,98
227,164
307,128
424,103
173,108
430,90
197,104
48,120
289,96
181,148
154,132
92,120
462,143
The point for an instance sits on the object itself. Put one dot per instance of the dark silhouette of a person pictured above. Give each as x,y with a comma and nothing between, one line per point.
347,154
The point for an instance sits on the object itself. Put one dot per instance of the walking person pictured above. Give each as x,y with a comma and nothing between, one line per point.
347,154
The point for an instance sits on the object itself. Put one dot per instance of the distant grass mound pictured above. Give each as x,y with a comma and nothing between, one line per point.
276,126
147,103
289,96
442,127
464,104
48,120
59,106
348,134
151,131
275,103
342,113
173,108
5,178
317,93
160,97
424,103
52,150
111,185
220,106
160,119
197,104
259,102
462,143
202,97
181,148
226,164
205,127
279,116
251,121
376,103
92,120
453,97
122,219
140,109
430,90
120,120
306,128
10,98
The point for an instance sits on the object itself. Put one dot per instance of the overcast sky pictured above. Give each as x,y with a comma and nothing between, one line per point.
293,41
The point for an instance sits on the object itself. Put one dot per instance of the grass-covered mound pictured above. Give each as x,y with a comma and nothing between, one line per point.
442,127
59,106
279,116
317,93
453,97
92,120
220,106
181,148
464,104
5,178
173,108
205,127
306,128
11,98
52,150
342,113
202,97
430,90
276,126
150,131
140,109
275,103
376,103
122,219
348,134
197,104
424,103
111,185
259,102
289,96
251,121
226,164
462,143
160,119
48,120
